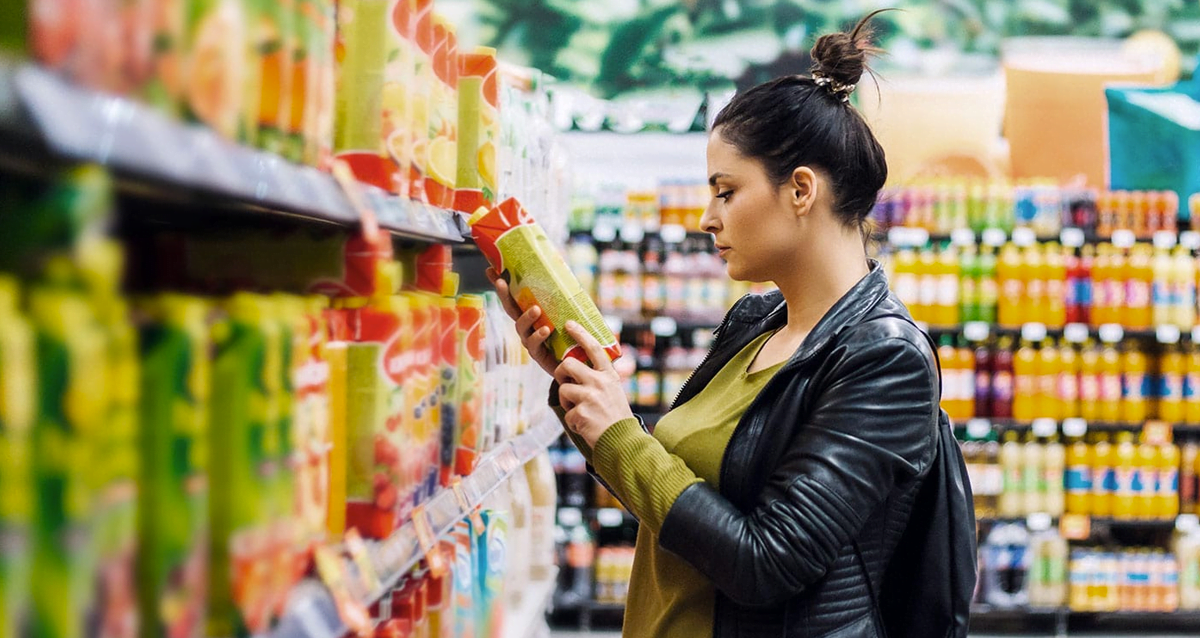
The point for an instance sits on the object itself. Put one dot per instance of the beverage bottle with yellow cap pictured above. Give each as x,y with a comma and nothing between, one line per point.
1183,288
1089,381
989,287
1103,476
1145,485
1068,380
1056,286
1166,495
1125,470
1034,274
1164,291
1078,476
927,279
1110,383
1172,368
1139,275
1049,403
1103,287
1135,383
946,306
1025,377
1009,273
1012,499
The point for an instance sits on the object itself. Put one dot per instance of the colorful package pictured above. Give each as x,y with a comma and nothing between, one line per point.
464,573
287,314
312,423
321,108
305,71
73,400
448,387
397,87
275,34
478,130
422,398
336,353
173,499
516,247
362,55
18,406
442,154
491,559
470,340
217,68
242,416
421,94
168,24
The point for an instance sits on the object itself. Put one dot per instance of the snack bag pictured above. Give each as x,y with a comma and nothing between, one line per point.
517,247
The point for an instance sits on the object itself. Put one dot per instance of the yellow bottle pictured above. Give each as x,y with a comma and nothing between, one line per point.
906,282
1012,286
1119,288
1145,481
1172,367
1034,275
1056,285
1025,382
928,277
1135,383
1166,496
1162,288
1089,381
1054,468
1139,273
1103,286
1068,380
946,303
1078,477
1048,404
1125,475
1110,384
1011,499
1183,288
1191,384
1103,476
1033,468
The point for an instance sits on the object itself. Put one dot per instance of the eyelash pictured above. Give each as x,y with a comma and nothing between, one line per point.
725,195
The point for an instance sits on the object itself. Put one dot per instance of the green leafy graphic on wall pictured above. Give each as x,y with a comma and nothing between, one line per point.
621,46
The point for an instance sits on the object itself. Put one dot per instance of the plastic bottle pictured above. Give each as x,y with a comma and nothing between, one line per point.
1003,382
1135,384
1089,381
1068,380
989,287
1189,455
905,280
1103,476
966,379
1139,273
1049,401
927,274
1034,275
993,476
1025,378
946,301
1110,384
1166,495
968,291
1163,288
1084,286
1056,285
1183,288
1048,572
1053,473
983,380
1078,594
1033,475
950,385
1145,481
1012,498
1191,384
1078,476
1125,468
1103,287
1010,274
1187,552
1120,271
1171,366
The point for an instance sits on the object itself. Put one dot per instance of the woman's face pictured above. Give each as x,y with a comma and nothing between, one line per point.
754,223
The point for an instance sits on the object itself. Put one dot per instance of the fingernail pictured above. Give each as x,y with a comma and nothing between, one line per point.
571,325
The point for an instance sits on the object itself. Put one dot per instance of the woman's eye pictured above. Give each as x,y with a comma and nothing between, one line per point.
725,195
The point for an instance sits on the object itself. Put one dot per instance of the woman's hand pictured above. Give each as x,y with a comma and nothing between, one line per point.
533,338
592,396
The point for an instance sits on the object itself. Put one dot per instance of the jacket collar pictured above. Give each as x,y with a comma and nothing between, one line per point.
769,311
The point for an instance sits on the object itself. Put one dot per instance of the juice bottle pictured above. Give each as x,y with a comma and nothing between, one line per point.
1033,475
1012,497
1078,476
1125,476
1089,381
442,153
478,130
968,292
906,282
1146,480
421,95
1135,384
358,121
1104,304
1073,268
1188,454
1183,288
1056,285
1164,293
1084,285
1110,384
1166,496
928,278
1068,380
1120,274
1191,384
1053,473
1003,382
1103,476
1171,366
1034,275
276,37
1010,274
946,310
950,371
989,287
1139,273
1025,377
983,380
1187,551
966,376
993,475
1049,402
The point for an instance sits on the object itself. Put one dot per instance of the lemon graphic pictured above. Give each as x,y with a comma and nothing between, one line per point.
1156,45
398,148
487,164
443,160
215,84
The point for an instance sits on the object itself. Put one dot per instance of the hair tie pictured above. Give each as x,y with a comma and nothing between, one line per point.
835,88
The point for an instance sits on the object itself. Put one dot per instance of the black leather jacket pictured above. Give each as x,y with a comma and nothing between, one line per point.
828,457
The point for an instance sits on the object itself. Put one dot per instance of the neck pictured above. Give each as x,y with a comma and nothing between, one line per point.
827,273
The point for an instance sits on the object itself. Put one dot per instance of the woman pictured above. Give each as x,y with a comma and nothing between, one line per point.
772,495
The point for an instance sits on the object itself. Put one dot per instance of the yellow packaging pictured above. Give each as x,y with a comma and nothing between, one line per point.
18,409
478,130
399,76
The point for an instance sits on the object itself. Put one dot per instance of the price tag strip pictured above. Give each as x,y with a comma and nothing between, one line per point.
472,513
362,559
428,542
1075,527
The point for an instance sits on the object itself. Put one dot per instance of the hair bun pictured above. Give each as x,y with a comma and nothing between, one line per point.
841,58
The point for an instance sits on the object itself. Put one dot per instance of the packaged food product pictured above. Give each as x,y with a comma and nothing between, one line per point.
464,573
471,363
442,153
216,80
312,424
168,24
18,410
362,46
517,248
399,76
478,130
277,37
421,94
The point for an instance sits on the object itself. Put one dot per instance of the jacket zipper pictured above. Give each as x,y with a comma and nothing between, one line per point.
708,355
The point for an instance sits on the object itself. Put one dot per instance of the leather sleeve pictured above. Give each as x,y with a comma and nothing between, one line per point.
872,426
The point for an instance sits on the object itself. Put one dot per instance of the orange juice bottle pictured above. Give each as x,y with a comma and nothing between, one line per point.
1049,403
1025,375
1009,272
1191,384
1068,380
1172,367
1118,286
1103,306
1139,273
928,277
1166,495
946,300
950,386
1078,477
1110,384
1145,480
1103,476
1183,288
1056,285
1163,288
1089,381
1125,472
905,280
1135,384
1033,274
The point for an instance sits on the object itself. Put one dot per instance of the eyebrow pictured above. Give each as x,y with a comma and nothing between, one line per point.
712,179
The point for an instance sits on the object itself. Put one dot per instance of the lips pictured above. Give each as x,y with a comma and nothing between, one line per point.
721,250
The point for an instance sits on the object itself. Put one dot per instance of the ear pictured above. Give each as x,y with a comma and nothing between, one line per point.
803,190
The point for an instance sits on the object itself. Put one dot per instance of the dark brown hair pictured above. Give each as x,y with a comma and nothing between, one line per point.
799,120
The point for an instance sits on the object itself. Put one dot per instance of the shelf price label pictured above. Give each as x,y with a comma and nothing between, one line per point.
1187,523
609,517
1190,239
994,237
332,571
1071,237
1038,522
428,542
962,237
1157,433
1024,237
362,559
663,327
1165,239
907,237
979,428
1111,333
1075,332
673,233
1074,427
1167,333
1033,332
1075,527
976,330
604,232
1123,238
1043,428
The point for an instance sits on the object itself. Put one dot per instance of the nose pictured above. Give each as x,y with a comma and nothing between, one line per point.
709,221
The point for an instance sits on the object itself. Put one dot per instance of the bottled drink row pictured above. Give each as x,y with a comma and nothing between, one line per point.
613,206
1022,568
944,205
1138,288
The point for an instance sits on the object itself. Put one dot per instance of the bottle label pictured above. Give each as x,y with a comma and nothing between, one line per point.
1068,387
1089,388
1106,483
1026,385
1110,387
1002,386
1191,385
1078,479
1137,294
1083,292
1124,482
1171,385
1168,482
1134,386
947,293
1013,480
993,482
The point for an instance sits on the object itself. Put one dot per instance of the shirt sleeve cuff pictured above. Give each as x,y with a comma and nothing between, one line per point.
642,473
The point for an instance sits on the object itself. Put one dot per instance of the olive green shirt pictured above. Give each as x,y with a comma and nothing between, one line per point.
668,598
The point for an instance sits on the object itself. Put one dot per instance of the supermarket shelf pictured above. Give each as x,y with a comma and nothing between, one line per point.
905,236
46,122
662,326
995,330
1166,523
311,611
523,621
1101,426
984,615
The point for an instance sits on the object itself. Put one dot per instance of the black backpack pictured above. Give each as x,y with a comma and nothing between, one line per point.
929,583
